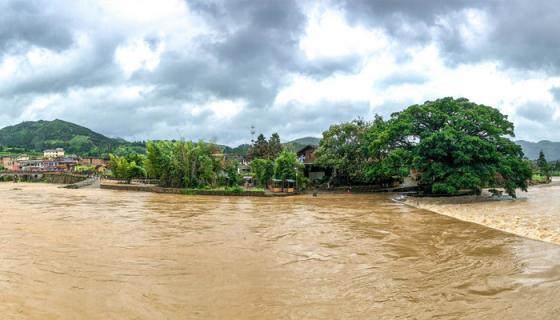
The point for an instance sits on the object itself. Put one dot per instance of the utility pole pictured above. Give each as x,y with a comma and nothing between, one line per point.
250,150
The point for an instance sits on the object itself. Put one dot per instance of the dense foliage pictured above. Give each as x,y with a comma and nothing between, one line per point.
230,176
453,145
263,170
343,148
543,166
85,169
124,169
287,166
274,146
555,168
182,164
456,144
266,149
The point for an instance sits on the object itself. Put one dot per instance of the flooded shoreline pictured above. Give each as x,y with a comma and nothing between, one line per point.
535,214
92,253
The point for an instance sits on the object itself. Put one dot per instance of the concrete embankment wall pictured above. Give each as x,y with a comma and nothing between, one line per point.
369,189
156,189
63,178
92,182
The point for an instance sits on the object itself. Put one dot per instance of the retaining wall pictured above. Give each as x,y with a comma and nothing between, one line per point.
156,189
63,178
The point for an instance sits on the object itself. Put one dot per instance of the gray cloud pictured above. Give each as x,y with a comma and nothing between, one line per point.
521,34
536,120
397,16
39,23
556,93
249,53
540,113
255,48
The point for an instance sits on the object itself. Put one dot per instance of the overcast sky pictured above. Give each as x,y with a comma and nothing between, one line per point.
142,69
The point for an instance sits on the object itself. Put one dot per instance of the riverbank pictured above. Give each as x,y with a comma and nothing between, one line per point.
534,214
109,185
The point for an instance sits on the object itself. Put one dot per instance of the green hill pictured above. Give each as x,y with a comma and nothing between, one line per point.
239,150
307,141
298,144
40,135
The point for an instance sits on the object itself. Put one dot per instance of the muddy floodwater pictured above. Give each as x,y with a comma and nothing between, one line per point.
100,254
535,214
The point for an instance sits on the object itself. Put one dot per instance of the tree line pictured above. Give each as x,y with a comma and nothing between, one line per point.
450,145
200,165
544,169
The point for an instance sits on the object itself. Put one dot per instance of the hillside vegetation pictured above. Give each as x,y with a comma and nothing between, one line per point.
298,144
39,135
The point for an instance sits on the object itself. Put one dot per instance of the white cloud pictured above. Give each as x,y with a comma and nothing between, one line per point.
137,54
221,110
327,35
473,27
143,11
8,67
39,105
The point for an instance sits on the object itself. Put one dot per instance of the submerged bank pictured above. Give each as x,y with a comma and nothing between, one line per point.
535,214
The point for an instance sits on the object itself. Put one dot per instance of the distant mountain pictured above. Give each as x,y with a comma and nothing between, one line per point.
298,144
294,145
40,135
240,150
307,141
531,149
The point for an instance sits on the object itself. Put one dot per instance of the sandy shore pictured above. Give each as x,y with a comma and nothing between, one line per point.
535,214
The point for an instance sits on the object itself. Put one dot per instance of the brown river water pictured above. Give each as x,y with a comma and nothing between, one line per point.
100,254
535,214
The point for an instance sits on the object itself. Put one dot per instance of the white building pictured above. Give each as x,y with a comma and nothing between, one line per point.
22,157
53,153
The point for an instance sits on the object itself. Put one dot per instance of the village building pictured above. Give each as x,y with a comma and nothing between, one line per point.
99,164
242,162
67,164
72,156
37,165
22,157
48,165
91,161
53,153
315,173
9,163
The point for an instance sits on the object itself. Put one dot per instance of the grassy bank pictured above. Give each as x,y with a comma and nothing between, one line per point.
539,179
